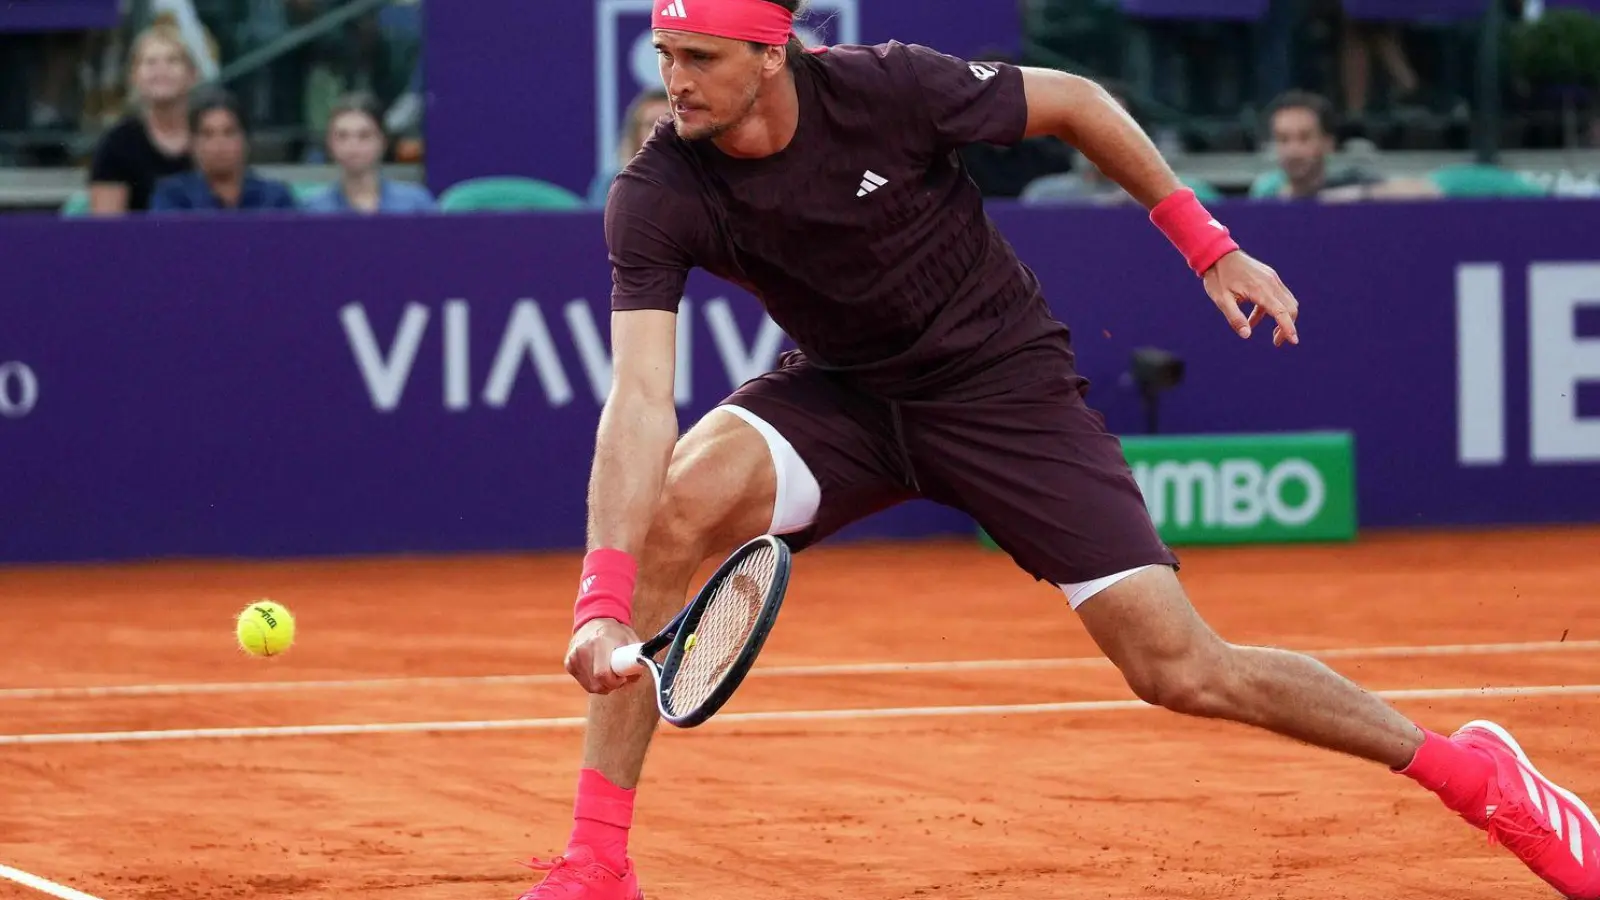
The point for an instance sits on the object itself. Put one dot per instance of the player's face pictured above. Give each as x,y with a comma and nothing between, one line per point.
1301,144
713,82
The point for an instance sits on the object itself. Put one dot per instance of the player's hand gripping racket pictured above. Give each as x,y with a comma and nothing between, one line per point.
713,642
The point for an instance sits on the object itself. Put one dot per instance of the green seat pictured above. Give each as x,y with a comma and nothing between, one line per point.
1204,191
305,190
77,204
1476,180
508,193
1267,184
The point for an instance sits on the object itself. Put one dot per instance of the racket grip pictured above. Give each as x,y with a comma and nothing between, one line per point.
625,659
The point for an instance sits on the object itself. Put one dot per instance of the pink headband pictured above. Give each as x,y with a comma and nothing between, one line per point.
741,20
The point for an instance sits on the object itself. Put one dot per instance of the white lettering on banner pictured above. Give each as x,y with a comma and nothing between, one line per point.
742,364
1480,367
1186,480
457,356
19,390
385,377
527,336
1236,493
683,377
1559,361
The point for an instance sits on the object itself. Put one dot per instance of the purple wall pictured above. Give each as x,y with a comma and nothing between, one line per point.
196,386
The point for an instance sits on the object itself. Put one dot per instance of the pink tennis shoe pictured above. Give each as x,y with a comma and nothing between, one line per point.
577,875
1540,822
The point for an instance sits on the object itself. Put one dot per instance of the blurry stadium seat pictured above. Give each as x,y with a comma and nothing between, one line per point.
305,190
77,204
1204,190
1267,184
1475,180
507,193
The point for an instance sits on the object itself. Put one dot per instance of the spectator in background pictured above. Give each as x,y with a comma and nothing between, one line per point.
152,141
222,178
1359,41
356,142
643,113
1303,129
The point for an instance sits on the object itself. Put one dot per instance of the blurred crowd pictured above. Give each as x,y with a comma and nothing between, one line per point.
185,147
1319,98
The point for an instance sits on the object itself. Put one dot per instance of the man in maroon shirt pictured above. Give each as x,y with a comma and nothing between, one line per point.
826,184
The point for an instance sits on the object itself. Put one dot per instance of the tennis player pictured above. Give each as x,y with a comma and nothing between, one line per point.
826,184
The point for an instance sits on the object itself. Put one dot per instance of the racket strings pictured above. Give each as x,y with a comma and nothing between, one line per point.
730,618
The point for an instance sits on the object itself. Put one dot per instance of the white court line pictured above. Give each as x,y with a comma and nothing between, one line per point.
813,715
39,884
887,668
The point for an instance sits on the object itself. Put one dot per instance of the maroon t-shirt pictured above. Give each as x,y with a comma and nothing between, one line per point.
864,238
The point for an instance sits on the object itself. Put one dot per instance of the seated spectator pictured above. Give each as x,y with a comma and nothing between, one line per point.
356,141
1303,130
637,123
222,179
151,141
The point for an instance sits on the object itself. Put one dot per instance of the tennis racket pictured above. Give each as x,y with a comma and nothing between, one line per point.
712,643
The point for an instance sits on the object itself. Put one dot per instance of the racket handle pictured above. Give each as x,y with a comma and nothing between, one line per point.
625,659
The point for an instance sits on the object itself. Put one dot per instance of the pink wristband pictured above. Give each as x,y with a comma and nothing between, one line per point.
606,589
1193,230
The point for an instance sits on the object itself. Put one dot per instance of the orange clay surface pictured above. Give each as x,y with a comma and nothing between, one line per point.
1025,804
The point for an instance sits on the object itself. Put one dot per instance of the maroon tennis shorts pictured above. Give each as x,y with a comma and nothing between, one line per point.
1020,451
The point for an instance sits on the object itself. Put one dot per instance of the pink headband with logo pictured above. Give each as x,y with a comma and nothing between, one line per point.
741,20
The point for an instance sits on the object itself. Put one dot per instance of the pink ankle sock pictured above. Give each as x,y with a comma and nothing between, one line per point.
1459,776
602,815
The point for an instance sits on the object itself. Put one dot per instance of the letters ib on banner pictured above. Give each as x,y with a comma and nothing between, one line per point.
626,56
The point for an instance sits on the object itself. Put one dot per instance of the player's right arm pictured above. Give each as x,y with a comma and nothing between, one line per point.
638,425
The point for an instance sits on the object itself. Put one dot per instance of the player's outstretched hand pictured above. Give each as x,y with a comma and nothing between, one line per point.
1237,278
589,655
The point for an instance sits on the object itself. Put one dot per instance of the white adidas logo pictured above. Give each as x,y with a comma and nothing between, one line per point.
675,10
871,182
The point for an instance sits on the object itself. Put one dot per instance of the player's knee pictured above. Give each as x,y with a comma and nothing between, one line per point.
1195,684
712,497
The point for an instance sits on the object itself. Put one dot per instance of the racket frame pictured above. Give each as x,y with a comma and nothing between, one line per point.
630,658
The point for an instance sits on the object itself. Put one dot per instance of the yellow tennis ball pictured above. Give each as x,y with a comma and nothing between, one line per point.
265,628
689,644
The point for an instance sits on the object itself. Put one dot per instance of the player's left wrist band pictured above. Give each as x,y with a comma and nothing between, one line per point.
605,590
1193,230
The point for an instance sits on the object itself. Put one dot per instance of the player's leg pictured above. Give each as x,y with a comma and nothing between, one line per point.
1147,626
1039,472
790,453
720,491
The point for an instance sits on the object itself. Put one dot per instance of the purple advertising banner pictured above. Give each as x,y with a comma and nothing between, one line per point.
538,89
433,385
58,15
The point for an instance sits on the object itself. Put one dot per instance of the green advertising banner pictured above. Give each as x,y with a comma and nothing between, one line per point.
1246,488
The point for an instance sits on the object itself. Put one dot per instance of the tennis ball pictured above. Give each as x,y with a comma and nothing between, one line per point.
265,628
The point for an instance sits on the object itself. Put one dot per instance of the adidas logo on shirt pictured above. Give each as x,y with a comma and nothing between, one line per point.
675,10
871,182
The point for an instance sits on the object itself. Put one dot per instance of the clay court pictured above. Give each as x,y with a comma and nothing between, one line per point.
925,722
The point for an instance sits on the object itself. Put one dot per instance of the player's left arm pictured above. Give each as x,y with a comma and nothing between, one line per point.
1084,115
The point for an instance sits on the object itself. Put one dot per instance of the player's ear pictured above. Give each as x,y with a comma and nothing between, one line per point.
777,58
